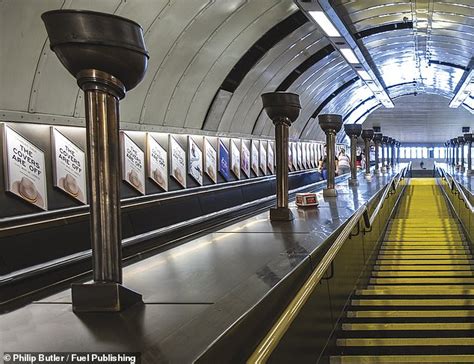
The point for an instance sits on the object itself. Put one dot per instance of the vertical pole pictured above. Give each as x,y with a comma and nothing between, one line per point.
353,180
367,157
281,141
331,155
104,178
469,157
377,162
384,169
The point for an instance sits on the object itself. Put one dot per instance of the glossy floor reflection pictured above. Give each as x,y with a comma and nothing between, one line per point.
192,292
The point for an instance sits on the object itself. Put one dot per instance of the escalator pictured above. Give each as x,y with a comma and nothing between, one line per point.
418,305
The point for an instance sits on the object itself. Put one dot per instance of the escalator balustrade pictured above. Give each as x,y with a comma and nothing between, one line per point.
419,303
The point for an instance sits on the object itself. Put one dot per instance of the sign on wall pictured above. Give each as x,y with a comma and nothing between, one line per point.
254,151
304,160
133,163
69,166
210,160
271,157
245,159
25,172
235,158
295,156
157,163
178,162
224,167
263,157
290,156
195,160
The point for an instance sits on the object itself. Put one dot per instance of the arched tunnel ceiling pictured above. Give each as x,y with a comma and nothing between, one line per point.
422,118
194,45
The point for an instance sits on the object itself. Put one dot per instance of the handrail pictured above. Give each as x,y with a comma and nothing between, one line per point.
278,330
455,185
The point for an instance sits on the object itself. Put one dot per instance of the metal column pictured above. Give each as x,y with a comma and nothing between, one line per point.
330,124
367,135
469,138
377,141
282,108
353,131
461,152
106,65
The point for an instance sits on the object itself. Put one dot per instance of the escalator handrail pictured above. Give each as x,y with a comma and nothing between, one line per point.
456,187
265,348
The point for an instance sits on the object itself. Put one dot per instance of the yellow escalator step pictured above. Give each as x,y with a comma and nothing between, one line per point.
421,267
417,290
411,313
397,326
411,341
432,273
369,359
421,257
424,280
423,262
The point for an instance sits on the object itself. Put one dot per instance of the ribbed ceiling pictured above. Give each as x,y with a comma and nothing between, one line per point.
196,46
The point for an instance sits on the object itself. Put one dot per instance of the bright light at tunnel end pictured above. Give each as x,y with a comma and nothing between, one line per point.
325,24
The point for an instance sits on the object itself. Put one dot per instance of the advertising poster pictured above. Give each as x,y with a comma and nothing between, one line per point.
254,150
304,160
263,158
133,163
195,160
299,152
69,166
25,169
235,158
224,167
290,156
310,155
210,160
178,162
294,152
245,159
157,163
271,158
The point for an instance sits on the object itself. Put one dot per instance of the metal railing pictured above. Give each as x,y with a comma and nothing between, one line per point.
456,188
281,326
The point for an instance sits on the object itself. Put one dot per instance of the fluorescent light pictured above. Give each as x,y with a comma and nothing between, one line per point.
325,24
364,75
349,55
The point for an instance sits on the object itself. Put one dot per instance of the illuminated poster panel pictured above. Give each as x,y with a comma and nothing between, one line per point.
157,163
69,166
133,164
245,159
263,158
210,160
294,152
224,168
254,149
271,158
178,162
235,158
195,160
25,169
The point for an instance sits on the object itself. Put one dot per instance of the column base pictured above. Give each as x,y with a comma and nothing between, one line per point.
384,170
470,172
353,182
377,172
103,297
281,214
368,177
329,192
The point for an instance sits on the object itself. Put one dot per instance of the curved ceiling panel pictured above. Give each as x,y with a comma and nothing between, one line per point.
416,46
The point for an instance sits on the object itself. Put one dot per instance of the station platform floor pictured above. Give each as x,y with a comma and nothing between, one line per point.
192,292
